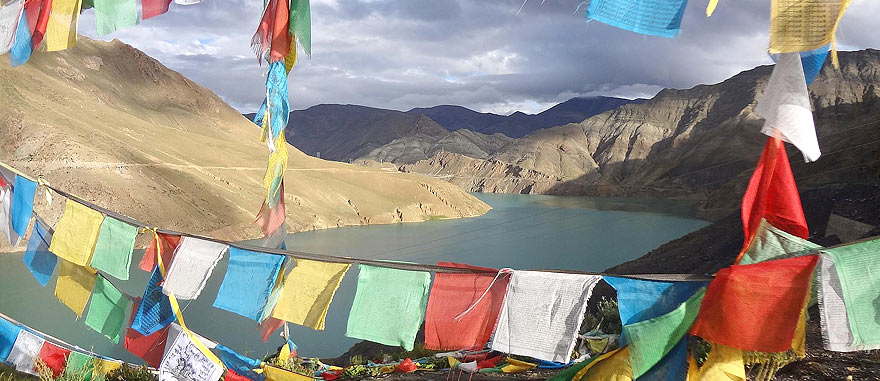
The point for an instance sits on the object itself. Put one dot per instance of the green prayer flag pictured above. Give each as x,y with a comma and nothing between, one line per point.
857,268
79,364
301,24
113,251
650,340
772,243
389,305
107,309
112,15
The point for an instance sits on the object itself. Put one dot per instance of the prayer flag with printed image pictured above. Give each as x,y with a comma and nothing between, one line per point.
193,263
848,298
114,247
38,259
249,279
657,17
154,311
183,361
389,305
107,310
76,233
771,243
756,307
542,314
454,293
803,25
22,204
301,24
785,107
74,286
307,292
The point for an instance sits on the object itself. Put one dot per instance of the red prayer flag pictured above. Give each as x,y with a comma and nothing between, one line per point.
232,376
268,326
272,33
454,293
756,307
54,356
271,219
169,243
38,19
149,348
772,195
153,8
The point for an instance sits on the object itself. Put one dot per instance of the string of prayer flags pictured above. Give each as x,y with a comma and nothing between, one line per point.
785,107
74,286
671,367
803,25
6,216
771,243
542,314
848,297
301,24
22,204
756,307
272,33
183,361
722,363
639,299
107,310
772,195
10,14
307,292
656,18
389,305
76,233
168,244
149,348
453,293
193,263
24,351
54,357
8,335
240,364
154,311
63,24
645,349
112,15
249,280
114,247
153,8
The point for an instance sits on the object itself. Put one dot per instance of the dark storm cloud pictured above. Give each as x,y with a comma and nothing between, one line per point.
476,53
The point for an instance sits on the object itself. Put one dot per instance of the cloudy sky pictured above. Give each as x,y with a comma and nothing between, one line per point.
481,54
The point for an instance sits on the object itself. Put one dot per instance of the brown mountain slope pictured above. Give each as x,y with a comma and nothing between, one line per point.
112,125
685,142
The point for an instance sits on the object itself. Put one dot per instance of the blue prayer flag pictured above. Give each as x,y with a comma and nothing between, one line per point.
240,364
656,17
38,259
154,312
812,61
22,47
22,204
673,366
276,84
8,334
249,280
639,300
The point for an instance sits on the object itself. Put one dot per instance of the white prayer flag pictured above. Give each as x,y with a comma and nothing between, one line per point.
25,351
193,262
183,361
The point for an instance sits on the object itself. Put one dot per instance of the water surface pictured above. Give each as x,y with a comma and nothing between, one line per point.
521,231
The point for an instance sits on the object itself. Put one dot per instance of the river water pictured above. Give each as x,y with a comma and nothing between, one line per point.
521,232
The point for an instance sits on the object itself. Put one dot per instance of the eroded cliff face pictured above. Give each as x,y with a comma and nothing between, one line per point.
685,143
114,126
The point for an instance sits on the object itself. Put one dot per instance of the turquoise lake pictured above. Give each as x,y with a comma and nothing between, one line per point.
520,232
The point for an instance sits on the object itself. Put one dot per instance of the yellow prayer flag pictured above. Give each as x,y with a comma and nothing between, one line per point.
802,25
723,364
102,367
276,167
516,366
63,23
276,374
74,286
711,7
308,291
290,58
76,233
612,366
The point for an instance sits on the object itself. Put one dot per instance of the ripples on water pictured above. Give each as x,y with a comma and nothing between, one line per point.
522,232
